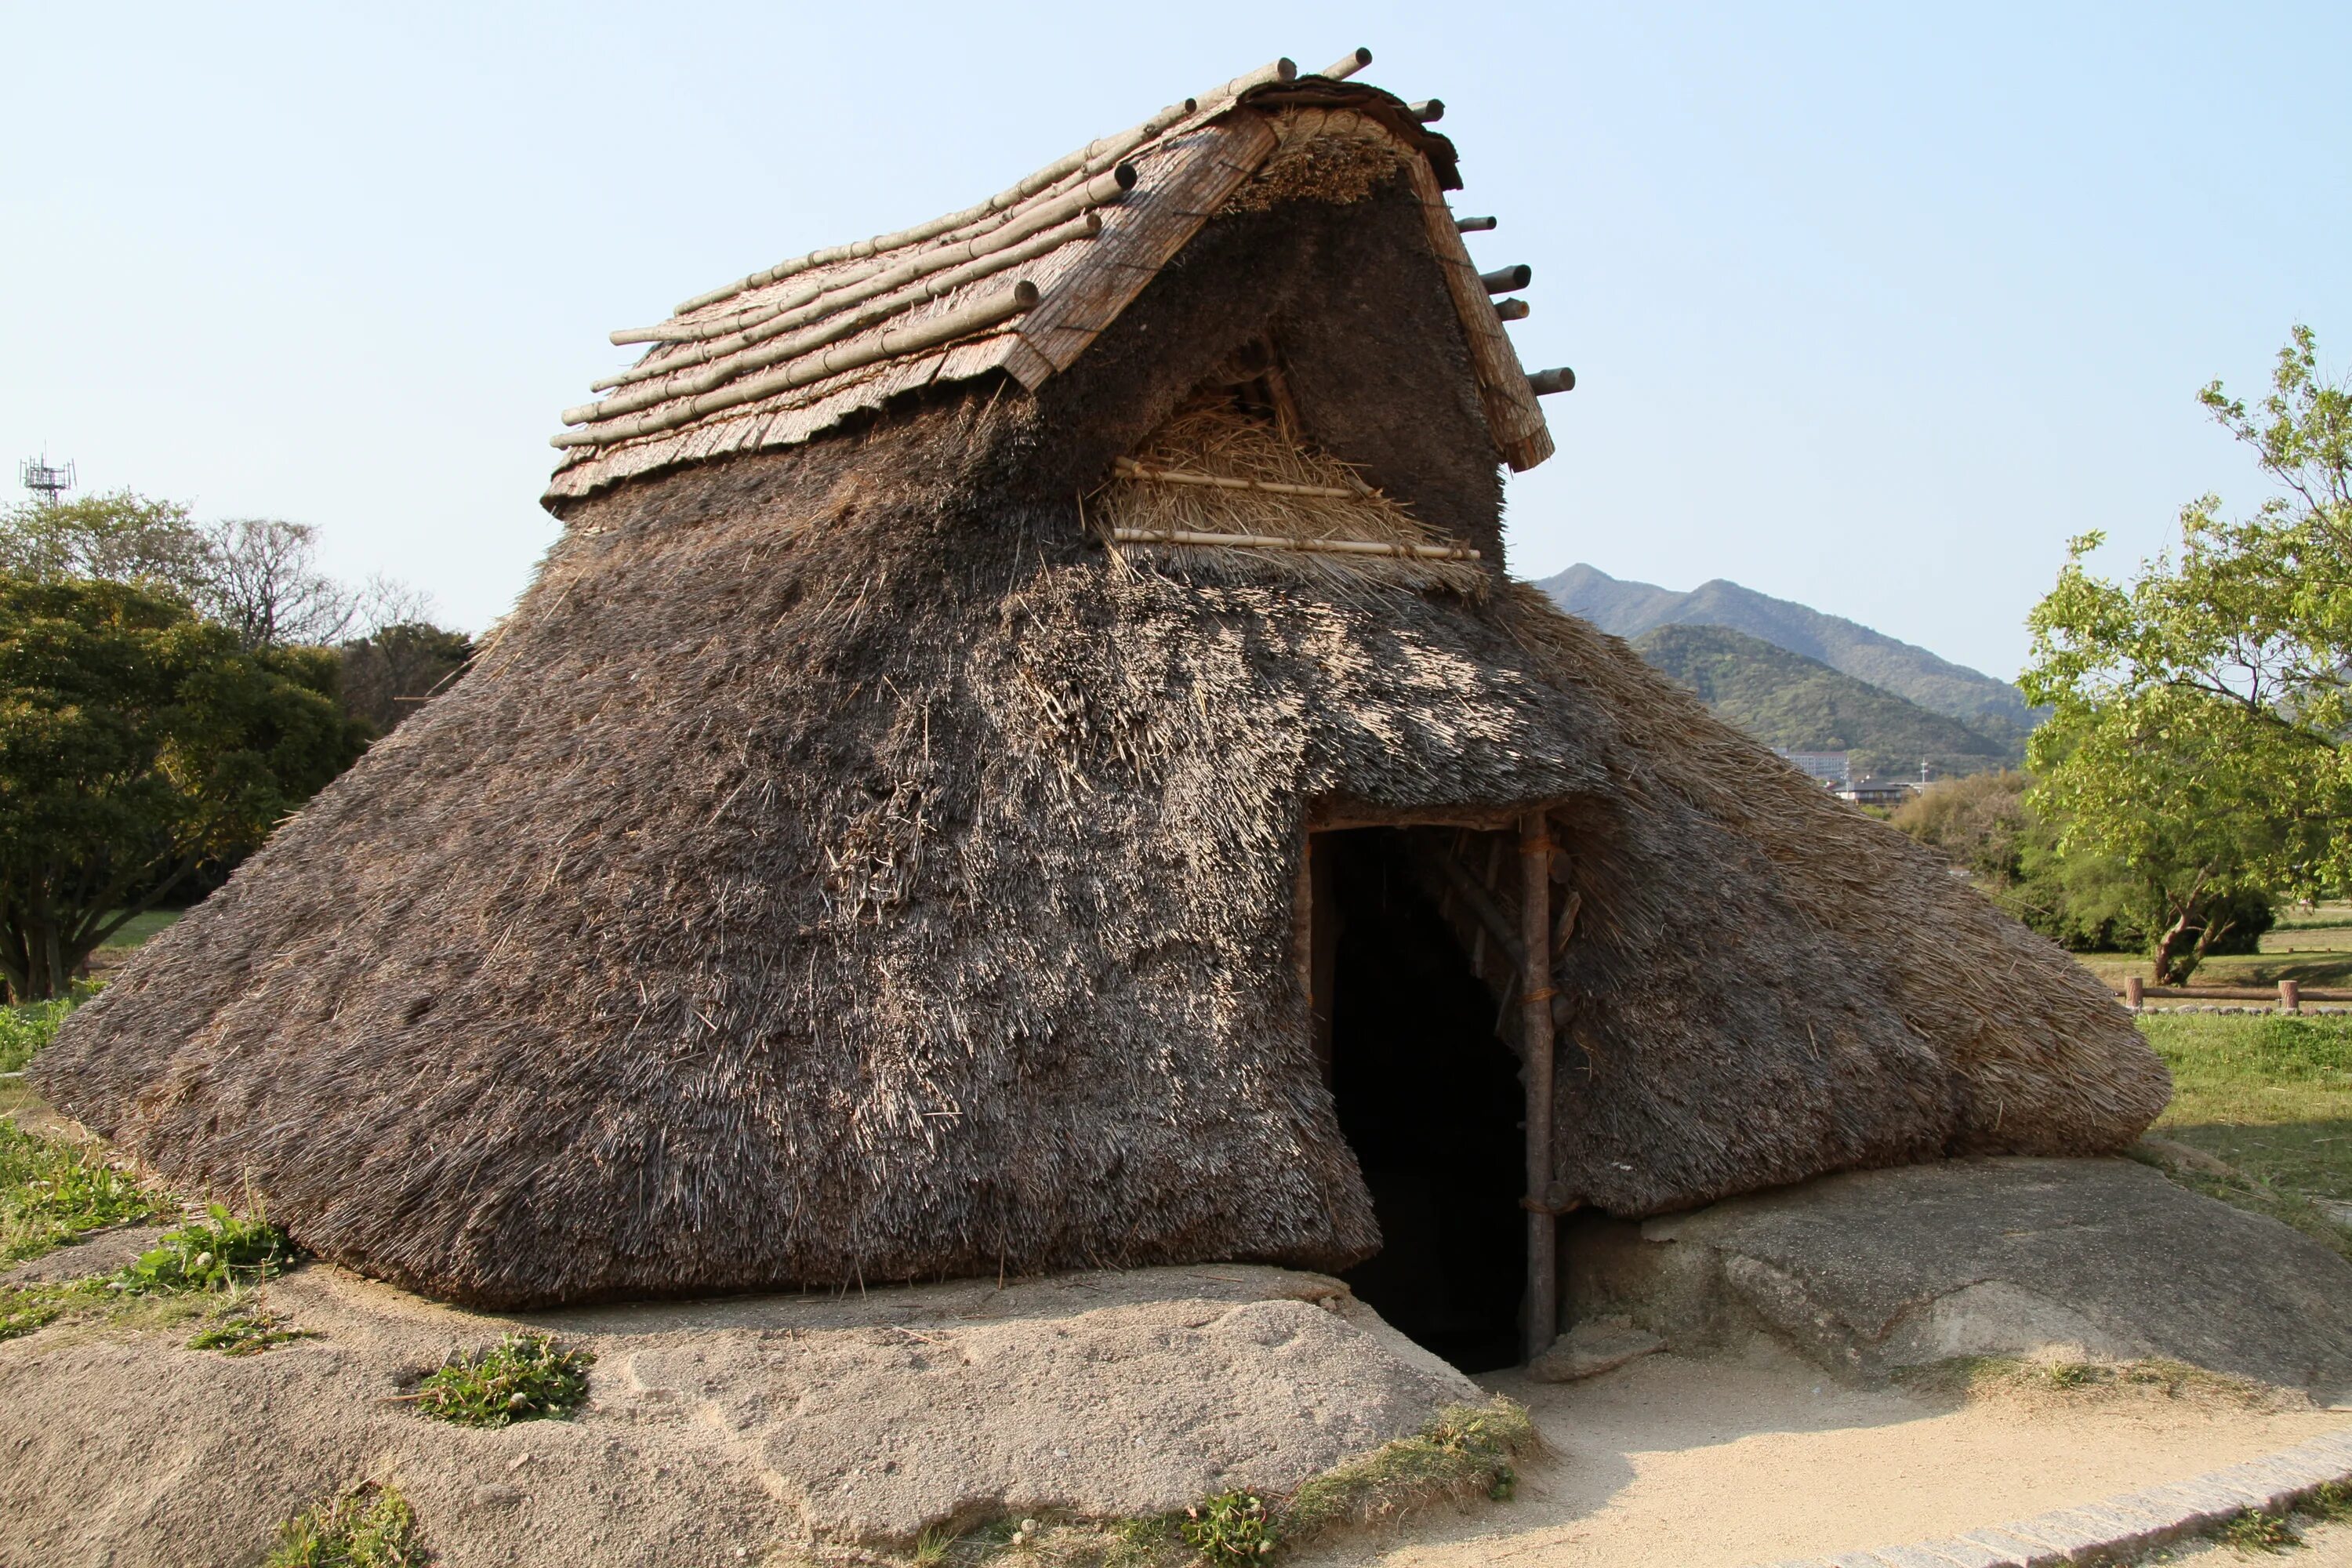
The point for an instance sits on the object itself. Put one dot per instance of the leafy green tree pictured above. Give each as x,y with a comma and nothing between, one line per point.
137,744
259,575
391,671
119,537
2201,712
1993,827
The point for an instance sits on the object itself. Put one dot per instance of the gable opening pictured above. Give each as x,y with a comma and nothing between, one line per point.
1230,476
1428,1096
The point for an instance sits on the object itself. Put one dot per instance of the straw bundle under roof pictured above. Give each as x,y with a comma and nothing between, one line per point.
843,868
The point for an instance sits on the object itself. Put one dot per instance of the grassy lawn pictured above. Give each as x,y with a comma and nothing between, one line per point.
2270,1098
139,928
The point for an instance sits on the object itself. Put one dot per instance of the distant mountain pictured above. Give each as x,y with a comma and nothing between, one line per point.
1801,704
1630,609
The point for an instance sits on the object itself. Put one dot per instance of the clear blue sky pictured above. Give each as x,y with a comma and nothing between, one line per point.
1872,307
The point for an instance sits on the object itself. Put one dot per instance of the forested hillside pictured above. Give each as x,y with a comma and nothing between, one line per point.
1630,609
1801,704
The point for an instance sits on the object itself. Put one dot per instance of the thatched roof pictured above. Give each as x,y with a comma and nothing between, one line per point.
852,861
1019,285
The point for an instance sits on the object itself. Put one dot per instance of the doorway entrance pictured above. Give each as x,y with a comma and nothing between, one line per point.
1429,1099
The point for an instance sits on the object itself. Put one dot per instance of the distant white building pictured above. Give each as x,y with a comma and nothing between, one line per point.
1827,769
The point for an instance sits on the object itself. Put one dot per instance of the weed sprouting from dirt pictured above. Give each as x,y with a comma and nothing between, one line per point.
52,1192
1229,1530
219,1255
369,1527
2254,1531
523,1378
208,1259
2330,1502
246,1331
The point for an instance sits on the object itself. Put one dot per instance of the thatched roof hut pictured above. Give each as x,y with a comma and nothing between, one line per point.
1026,756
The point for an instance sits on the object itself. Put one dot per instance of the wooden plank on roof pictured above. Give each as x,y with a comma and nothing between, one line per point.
1512,413
1159,216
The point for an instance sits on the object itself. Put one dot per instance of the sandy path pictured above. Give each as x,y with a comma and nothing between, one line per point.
1756,1459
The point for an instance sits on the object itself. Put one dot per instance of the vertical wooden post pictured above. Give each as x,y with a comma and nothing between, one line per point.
2134,997
1535,1034
2290,996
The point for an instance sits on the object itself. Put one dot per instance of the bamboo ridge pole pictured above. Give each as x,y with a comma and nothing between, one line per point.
1092,157
1544,383
1512,309
1429,112
963,321
1514,418
1281,541
1095,156
1504,280
1347,65
1535,1041
874,277
1473,224
1129,469
676,385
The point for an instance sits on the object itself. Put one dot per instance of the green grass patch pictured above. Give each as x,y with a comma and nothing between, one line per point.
25,1028
523,1378
52,1192
223,1253
246,1331
2254,1531
2270,1097
369,1527
189,1275
139,927
25,1308
1466,1452
2154,1378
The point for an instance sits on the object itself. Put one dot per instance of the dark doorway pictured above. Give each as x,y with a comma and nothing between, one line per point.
1431,1101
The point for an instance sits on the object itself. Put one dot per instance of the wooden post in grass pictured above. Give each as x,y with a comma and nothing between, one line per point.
1535,1036
2134,997
2290,996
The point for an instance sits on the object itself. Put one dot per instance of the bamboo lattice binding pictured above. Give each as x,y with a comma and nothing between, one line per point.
1220,477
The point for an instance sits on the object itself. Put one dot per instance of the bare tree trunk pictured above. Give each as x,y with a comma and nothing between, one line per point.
2211,932
2164,955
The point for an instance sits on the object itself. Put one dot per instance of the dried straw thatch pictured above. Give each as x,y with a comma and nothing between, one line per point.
843,867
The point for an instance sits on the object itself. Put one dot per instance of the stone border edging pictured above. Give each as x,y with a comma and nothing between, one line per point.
2121,1526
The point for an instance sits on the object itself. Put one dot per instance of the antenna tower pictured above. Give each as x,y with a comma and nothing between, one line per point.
44,480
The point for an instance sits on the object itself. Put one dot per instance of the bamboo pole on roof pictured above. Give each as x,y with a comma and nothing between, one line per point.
1536,1044
1347,65
750,356
963,321
1094,155
1197,541
1017,223
1473,224
1129,469
1266,75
